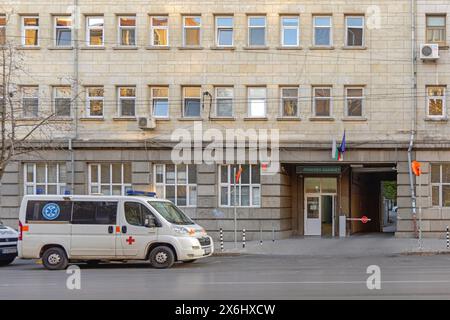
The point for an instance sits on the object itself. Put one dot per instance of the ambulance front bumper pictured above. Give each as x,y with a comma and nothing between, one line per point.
195,248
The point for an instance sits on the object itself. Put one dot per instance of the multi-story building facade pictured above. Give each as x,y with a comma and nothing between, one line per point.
311,70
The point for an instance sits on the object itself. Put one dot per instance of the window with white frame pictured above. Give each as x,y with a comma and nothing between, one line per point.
2,29
127,101
436,101
192,31
322,101
257,100
160,102
192,102
30,31
322,31
436,29
30,101
290,31
109,178
127,31
289,101
224,101
159,33
440,185
94,101
62,101
95,31
248,189
354,36
45,178
177,183
354,101
224,31
63,31
256,31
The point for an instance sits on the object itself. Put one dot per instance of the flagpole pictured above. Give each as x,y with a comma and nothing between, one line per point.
235,211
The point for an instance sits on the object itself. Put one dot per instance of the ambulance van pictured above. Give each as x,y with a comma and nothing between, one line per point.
70,229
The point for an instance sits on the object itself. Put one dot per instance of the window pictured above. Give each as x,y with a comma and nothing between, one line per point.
45,178
289,102
110,178
224,101
248,189
354,100
322,31
257,102
94,212
177,183
30,31
224,31
322,102
127,31
436,104
159,35
2,29
440,185
36,208
94,32
94,101
160,102
30,102
256,31
290,32
191,102
62,101
436,29
136,214
355,31
191,31
63,31
127,101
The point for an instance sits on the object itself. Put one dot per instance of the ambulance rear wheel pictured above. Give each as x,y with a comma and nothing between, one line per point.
162,257
55,259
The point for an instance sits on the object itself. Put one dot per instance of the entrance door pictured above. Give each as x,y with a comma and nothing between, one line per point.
327,210
313,223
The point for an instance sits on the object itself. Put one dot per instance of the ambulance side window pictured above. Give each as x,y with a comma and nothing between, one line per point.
136,213
89,212
58,211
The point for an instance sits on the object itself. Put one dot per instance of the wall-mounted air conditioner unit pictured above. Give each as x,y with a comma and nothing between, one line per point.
429,52
146,123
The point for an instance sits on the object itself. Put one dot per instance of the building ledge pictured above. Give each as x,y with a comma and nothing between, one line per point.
157,48
289,48
431,119
191,48
60,48
256,119
218,118
322,48
354,48
256,48
125,118
125,48
219,48
29,48
190,119
93,119
289,119
93,48
328,119
354,119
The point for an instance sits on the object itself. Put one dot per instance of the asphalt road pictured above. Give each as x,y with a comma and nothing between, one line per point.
239,277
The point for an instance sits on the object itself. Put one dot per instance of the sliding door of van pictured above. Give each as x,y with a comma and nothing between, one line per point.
93,229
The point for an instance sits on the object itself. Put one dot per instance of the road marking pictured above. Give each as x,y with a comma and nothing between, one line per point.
321,282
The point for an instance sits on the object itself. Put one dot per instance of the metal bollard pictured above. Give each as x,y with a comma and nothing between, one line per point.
448,238
221,240
243,238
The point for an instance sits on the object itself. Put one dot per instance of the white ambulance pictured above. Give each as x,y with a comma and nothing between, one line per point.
92,229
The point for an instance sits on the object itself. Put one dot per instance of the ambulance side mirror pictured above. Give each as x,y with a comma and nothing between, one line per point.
150,222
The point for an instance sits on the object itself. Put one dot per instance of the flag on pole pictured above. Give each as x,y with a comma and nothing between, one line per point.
334,151
343,147
238,174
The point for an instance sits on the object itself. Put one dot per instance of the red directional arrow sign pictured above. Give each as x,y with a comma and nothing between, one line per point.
365,219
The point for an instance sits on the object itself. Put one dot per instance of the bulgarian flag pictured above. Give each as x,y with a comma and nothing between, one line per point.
238,174
335,151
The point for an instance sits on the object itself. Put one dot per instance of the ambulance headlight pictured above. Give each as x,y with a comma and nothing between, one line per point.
183,230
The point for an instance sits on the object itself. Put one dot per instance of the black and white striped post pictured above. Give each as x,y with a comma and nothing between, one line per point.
243,238
448,238
221,239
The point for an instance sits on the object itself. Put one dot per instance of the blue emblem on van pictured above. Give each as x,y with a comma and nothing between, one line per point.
51,211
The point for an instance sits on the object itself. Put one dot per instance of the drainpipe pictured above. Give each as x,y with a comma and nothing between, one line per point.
413,112
75,94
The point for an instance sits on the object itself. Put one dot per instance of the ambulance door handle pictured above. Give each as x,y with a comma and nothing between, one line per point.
110,229
124,229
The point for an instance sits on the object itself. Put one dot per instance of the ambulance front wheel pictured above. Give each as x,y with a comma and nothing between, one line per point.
55,258
162,257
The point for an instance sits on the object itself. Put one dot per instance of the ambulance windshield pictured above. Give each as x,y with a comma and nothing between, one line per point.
170,212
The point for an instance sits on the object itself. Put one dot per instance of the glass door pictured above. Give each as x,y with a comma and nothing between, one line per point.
313,223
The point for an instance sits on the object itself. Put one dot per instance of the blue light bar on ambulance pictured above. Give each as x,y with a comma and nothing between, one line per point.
141,193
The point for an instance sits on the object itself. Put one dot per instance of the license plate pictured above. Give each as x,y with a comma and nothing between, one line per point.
8,250
207,251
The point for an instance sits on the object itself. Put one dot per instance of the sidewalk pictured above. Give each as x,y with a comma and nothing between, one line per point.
354,246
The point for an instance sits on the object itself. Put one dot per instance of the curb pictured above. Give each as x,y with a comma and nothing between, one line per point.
227,254
425,253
